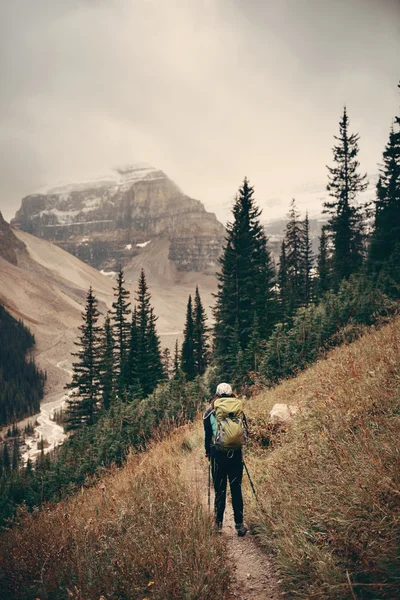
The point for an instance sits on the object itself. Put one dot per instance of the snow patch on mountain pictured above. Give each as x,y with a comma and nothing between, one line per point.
119,178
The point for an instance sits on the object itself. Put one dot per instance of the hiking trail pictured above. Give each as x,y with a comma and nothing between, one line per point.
253,576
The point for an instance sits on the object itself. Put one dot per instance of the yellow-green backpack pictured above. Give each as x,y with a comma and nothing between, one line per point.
230,429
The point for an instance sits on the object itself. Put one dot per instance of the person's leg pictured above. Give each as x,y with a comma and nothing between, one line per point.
219,474
235,474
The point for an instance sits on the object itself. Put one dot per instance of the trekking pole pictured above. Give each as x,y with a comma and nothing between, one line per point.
270,519
251,483
209,484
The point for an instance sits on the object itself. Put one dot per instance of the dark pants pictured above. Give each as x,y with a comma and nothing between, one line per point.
227,465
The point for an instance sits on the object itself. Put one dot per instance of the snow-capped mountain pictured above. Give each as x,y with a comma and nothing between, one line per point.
108,221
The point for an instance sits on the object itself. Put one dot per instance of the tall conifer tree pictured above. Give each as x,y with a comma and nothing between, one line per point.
307,258
121,330
132,379
294,261
246,282
187,354
323,279
283,282
384,251
149,366
106,366
346,221
200,341
85,397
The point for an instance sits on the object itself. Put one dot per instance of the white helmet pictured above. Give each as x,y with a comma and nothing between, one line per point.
224,389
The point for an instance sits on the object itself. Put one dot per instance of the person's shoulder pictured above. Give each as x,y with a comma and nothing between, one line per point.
208,412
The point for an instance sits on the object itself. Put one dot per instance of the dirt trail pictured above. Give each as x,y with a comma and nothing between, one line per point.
253,577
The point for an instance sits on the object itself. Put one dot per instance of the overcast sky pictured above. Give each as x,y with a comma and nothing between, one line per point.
207,90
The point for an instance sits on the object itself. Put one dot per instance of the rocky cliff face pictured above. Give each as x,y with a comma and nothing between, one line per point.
109,221
10,245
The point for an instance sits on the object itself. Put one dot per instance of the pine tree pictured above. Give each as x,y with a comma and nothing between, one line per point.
166,363
149,366
177,362
200,337
253,350
246,282
187,355
6,459
346,222
155,371
322,285
385,242
121,331
283,282
85,385
15,455
294,261
132,378
106,366
307,259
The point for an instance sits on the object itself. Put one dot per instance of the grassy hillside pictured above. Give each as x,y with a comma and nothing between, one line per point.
141,533
330,488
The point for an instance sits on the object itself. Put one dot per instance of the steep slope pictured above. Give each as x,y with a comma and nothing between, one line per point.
46,287
108,221
329,485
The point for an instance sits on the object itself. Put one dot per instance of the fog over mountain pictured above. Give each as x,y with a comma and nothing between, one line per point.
208,91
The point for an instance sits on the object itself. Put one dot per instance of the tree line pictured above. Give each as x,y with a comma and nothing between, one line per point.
123,361
262,314
21,382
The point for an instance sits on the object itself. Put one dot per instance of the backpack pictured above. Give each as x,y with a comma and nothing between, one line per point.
230,431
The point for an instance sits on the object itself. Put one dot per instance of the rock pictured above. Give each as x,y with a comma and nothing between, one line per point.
10,246
283,413
110,221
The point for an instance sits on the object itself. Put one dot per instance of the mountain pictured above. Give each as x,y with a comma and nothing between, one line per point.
46,287
110,221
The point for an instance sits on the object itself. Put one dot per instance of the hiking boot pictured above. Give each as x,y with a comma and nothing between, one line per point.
241,529
218,526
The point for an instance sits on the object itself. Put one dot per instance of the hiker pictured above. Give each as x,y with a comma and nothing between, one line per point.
225,429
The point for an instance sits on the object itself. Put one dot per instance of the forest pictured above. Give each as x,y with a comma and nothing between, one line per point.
21,383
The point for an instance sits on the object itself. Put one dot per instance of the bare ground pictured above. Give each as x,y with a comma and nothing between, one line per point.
253,576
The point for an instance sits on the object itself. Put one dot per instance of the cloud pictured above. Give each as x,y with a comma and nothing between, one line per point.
207,90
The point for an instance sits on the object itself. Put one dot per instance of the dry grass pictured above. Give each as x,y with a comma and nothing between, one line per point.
141,533
330,491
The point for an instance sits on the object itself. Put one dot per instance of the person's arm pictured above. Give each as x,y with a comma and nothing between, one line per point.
207,431
246,428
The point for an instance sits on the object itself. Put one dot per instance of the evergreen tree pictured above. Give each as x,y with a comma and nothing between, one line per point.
385,242
106,366
346,222
15,455
85,385
149,366
155,371
6,459
166,363
132,378
283,282
121,331
307,262
323,265
187,355
246,282
294,261
200,341
253,351
177,362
